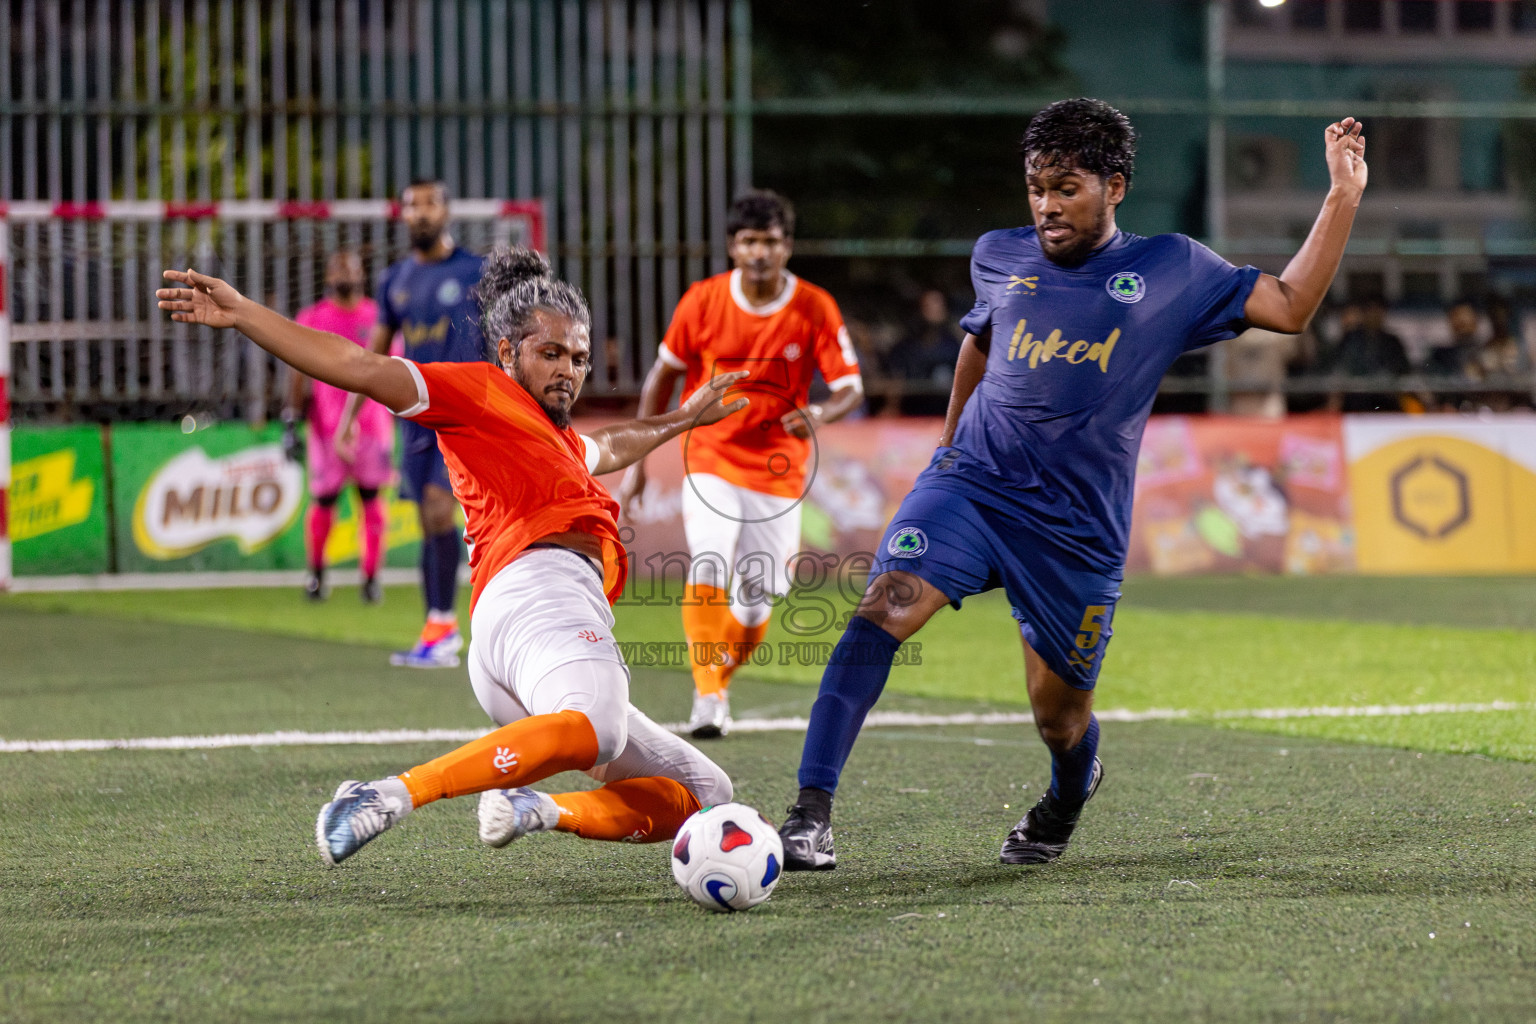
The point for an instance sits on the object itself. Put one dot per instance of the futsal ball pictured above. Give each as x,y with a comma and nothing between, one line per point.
727,857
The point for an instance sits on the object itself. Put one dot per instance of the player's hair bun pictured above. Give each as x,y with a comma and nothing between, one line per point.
508,266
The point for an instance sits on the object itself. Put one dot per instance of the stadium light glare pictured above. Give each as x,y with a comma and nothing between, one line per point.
1270,3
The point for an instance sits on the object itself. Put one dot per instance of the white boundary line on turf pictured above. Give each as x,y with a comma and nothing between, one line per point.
196,580
880,719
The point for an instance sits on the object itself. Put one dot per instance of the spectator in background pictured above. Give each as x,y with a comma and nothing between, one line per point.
928,356
1366,349
1503,353
1501,357
1459,358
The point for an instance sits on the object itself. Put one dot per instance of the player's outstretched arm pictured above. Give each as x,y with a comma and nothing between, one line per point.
626,443
323,356
1287,303
655,395
969,369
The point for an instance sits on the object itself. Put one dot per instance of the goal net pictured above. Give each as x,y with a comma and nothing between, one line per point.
87,341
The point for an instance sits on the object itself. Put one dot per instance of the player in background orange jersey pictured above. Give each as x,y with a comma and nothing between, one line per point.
746,476
545,561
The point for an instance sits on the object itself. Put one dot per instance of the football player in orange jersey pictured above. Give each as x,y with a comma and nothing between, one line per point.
746,477
545,561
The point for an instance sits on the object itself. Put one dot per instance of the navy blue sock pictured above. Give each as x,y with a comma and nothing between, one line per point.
1071,771
443,576
850,686
428,571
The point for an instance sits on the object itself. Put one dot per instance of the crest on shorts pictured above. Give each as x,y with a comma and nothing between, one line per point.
450,292
907,542
1127,286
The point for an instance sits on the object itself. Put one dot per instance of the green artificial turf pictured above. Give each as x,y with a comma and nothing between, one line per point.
1200,646
1220,874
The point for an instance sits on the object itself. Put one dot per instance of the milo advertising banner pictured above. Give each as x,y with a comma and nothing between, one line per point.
224,497
58,501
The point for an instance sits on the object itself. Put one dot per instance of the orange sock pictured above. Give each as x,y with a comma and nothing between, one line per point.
515,755
432,632
634,810
704,611
742,640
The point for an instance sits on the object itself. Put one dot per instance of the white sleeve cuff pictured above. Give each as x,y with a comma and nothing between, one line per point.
592,453
852,380
422,401
665,355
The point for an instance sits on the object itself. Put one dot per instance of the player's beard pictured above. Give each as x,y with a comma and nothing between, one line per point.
1082,244
424,239
561,418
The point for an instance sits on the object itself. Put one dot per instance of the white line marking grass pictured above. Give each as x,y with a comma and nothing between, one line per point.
879,719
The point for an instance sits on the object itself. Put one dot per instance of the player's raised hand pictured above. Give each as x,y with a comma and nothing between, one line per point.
801,422
202,300
632,490
1344,148
708,405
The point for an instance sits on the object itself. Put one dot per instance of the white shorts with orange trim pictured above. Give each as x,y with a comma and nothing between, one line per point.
542,642
738,533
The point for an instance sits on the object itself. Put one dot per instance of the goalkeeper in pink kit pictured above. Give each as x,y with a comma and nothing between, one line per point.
365,455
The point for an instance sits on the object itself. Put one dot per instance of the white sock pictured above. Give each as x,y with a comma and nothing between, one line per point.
396,797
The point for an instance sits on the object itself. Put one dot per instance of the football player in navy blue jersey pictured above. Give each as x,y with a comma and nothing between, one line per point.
428,299
1074,325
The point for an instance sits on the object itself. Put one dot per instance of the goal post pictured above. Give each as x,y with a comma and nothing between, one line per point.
81,338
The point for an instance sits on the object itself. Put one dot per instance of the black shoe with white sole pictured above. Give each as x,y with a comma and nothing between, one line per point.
1042,834
807,837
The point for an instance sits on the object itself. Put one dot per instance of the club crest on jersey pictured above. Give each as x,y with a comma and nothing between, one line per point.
792,351
1126,286
909,542
1014,280
450,292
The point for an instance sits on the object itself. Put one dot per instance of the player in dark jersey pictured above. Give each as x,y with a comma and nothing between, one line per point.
1074,325
428,299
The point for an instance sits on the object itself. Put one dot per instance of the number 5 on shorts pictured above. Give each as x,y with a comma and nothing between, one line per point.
1090,631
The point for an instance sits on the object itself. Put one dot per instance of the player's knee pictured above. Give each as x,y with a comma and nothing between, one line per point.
712,786
1061,732
367,493
611,729
327,500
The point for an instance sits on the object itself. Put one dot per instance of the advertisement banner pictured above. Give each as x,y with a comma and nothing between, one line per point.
1237,494
1443,494
224,497
859,472
58,501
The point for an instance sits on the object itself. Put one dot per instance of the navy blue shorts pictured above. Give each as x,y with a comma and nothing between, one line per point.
964,547
421,461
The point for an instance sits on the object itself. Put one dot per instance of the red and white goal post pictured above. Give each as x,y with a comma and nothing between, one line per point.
121,239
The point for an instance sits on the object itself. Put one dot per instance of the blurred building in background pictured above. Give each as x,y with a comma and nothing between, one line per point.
250,137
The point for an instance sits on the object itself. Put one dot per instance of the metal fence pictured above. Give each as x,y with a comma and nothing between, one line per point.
629,120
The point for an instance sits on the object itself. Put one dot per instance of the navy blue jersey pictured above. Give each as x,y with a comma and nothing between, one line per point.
1052,431
433,308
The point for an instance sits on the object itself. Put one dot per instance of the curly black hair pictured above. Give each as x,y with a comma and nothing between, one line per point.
1085,133
515,283
759,210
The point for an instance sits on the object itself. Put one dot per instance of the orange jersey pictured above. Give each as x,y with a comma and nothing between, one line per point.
517,475
715,330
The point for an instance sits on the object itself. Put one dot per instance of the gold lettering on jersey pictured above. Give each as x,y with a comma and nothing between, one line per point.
1014,280
420,334
1024,345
